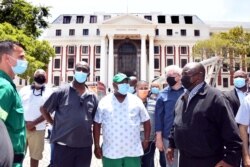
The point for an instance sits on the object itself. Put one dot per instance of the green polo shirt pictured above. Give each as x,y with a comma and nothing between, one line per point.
12,113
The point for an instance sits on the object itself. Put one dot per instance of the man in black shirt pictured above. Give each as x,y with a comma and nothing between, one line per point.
204,129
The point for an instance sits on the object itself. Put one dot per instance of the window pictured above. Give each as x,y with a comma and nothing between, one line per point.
97,49
225,67
79,19
197,33
169,32
85,32
70,78
225,82
157,63
71,32
170,50
156,31
97,63
175,19
57,63
106,17
237,66
85,49
188,19
170,62
183,62
148,17
57,50
97,78
71,62
56,80
183,50
157,50
97,32
93,19
20,81
183,32
85,59
66,19
161,19
71,49
58,32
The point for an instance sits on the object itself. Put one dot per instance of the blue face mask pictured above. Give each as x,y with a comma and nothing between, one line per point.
155,90
131,89
21,66
80,77
123,88
239,82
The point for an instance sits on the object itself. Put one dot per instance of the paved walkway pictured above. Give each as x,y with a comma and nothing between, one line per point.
94,163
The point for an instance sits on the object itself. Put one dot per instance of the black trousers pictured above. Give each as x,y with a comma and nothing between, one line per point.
147,160
65,156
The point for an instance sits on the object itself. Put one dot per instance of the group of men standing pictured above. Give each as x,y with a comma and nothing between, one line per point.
194,123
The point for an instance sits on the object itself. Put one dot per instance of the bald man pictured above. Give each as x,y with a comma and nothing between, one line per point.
33,96
236,96
204,129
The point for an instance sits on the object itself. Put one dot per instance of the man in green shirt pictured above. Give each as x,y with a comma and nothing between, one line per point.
12,62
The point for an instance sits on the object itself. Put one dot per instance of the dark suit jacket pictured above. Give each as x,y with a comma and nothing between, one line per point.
233,100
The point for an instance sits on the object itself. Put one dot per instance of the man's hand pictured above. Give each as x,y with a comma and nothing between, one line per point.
170,155
159,144
223,164
246,161
145,144
98,152
30,125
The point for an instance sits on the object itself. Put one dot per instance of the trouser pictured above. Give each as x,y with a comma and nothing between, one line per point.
147,160
65,156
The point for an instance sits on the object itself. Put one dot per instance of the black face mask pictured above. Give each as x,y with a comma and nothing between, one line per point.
171,81
186,81
40,79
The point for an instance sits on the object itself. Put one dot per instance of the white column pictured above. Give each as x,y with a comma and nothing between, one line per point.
163,59
103,58
143,58
151,59
49,73
91,62
111,61
177,55
78,54
64,64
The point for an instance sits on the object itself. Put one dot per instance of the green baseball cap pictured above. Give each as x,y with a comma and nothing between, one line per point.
119,77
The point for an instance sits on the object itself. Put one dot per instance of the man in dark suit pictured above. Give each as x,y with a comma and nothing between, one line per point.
236,95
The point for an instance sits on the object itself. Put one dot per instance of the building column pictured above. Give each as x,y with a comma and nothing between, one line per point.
103,57
111,61
177,55
64,64
151,59
163,59
143,58
91,62
50,71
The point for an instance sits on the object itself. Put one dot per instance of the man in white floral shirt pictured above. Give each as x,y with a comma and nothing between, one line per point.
120,115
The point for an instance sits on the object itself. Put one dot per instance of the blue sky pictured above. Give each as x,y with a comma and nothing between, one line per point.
207,10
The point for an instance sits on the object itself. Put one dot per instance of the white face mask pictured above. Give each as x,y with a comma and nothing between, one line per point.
80,77
131,89
239,82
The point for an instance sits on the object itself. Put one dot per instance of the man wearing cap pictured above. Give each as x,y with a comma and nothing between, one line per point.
74,106
120,115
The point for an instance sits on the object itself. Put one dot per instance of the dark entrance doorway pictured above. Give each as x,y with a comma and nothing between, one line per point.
127,61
